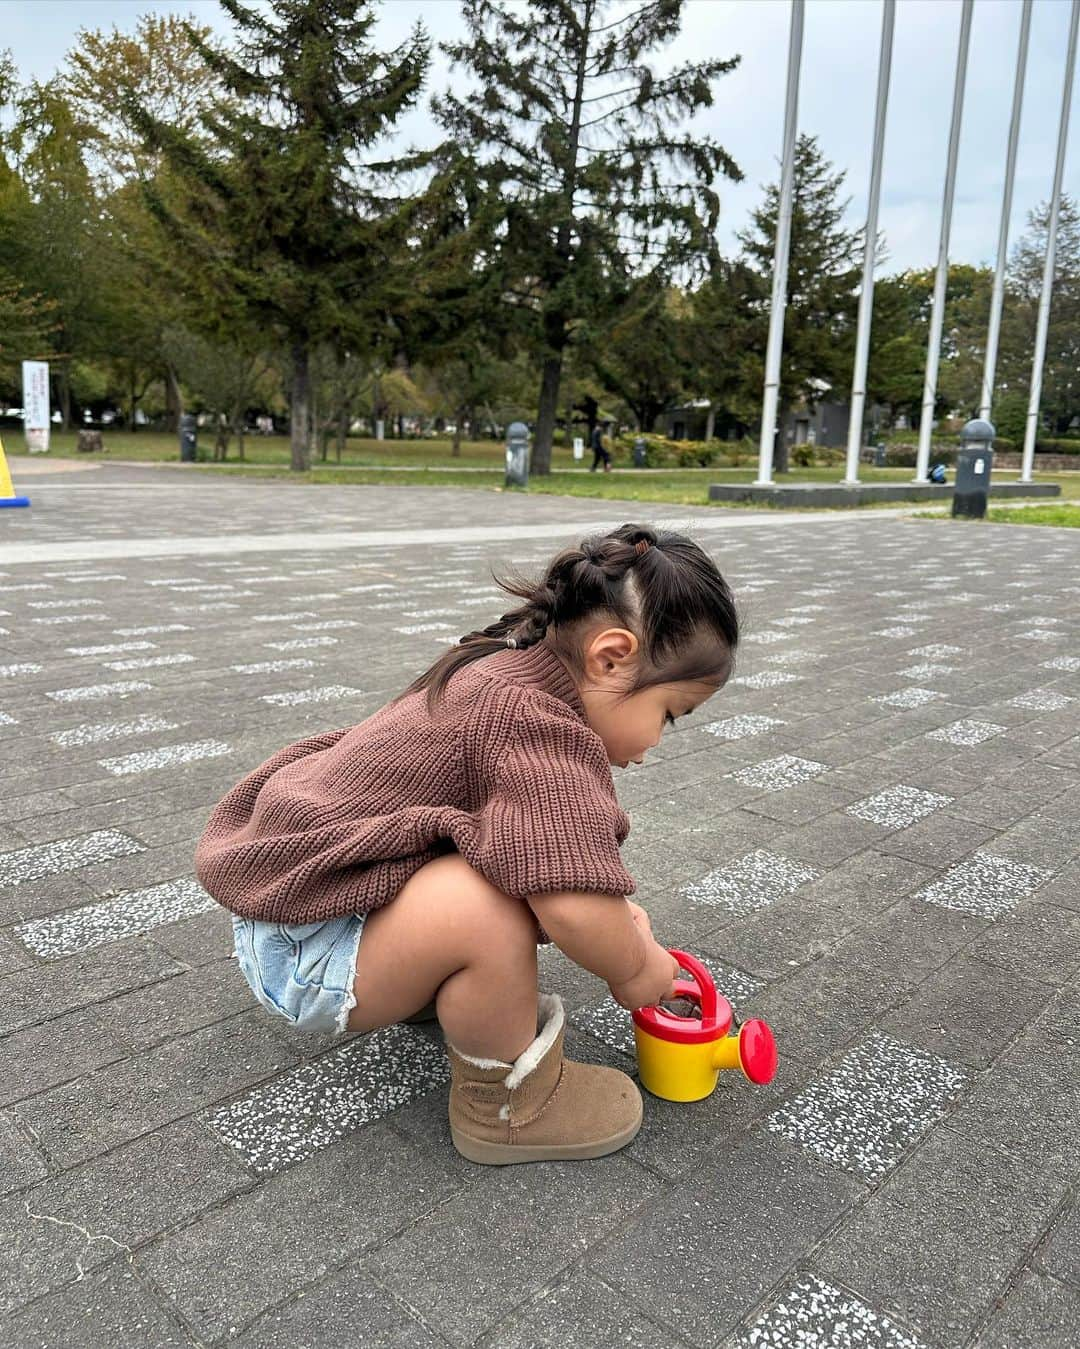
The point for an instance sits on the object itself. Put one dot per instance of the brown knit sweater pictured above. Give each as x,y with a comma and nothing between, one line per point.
508,773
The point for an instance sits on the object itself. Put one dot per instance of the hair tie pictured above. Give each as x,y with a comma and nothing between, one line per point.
641,546
511,641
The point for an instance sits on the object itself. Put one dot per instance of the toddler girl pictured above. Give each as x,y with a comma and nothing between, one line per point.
419,856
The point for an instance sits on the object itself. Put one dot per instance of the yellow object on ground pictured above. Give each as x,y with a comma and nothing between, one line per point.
7,487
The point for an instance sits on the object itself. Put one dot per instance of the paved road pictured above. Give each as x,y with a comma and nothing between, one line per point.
871,837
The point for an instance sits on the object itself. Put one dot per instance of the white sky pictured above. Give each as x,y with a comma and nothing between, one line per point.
836,100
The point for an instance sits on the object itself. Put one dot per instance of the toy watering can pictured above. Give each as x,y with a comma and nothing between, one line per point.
680,1057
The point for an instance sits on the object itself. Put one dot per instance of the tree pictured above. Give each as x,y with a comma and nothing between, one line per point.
283,217
1060,401
574,132
824,273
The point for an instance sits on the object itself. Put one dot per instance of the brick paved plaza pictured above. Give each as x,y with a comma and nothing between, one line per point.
871,837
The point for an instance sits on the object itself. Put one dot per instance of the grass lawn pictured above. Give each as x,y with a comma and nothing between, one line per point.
481,466
1063,515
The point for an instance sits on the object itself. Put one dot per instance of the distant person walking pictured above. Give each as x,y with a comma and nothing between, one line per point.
596,444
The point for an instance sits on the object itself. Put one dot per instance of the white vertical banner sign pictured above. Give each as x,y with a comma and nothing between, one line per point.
35,376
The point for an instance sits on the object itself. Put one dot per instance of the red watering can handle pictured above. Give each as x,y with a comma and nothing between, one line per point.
703,979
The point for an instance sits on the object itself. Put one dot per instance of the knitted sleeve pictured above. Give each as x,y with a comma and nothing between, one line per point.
551,820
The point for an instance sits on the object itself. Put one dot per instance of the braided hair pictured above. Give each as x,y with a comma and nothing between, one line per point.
658,584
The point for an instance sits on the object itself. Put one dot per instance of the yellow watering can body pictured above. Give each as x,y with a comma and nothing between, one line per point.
680,1058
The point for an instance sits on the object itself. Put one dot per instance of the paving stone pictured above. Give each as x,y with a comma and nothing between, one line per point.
21,1162
1038,1312
813,1312
773,775
109,1308
879,1100
580,1309
40,1056
97,1112
150,1015
254,1251
286,1120
898,807
1061,1255
80,980
348,1308
948,1013
112,920
938,840
197,941
763,1199
985,885
538,1232
939,1265
749,883
93,1214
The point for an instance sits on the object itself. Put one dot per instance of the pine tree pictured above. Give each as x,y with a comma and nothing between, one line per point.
574,130
294,232
824,273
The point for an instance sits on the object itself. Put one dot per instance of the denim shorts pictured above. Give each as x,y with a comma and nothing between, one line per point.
303,972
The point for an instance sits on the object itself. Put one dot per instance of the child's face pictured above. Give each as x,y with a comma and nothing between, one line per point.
636,724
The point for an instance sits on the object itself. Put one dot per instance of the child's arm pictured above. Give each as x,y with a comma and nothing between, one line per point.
598,932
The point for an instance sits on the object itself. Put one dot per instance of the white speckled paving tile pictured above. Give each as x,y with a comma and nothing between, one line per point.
881,1098
110,649
65,604
295,1115
966,732
324,695
72,618
65,854
791,657
112,920
327,625
749,883
166,756
275,666
935,650
23,668
120,689
5,720
151,629
926,671
897,630
813,1314
1068,663
411,629
302,643
913,697
899,806
736,728
1040,635
150,662
1040,700
791,621
766,679
984,885
774,775
96,733
282,618
766,637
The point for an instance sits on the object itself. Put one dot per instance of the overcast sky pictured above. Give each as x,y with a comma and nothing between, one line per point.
836,99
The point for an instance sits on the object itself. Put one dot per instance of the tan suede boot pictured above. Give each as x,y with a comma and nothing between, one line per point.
541,1107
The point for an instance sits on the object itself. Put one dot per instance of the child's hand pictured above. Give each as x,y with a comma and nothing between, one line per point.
640,917
655,979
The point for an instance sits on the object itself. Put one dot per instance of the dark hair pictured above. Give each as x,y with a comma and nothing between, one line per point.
671,596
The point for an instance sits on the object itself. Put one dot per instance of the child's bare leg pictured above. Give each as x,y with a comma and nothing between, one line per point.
451,930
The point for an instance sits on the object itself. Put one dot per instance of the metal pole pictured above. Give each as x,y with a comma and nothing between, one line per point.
1032,426
1006,208
774,350
937,312
866,296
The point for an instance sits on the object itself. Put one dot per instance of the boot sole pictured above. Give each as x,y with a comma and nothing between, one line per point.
506,1154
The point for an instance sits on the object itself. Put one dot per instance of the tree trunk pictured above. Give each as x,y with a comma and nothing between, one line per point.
134,397
545,418
342,431
299,432
455,444
63,389
174,401
710,424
